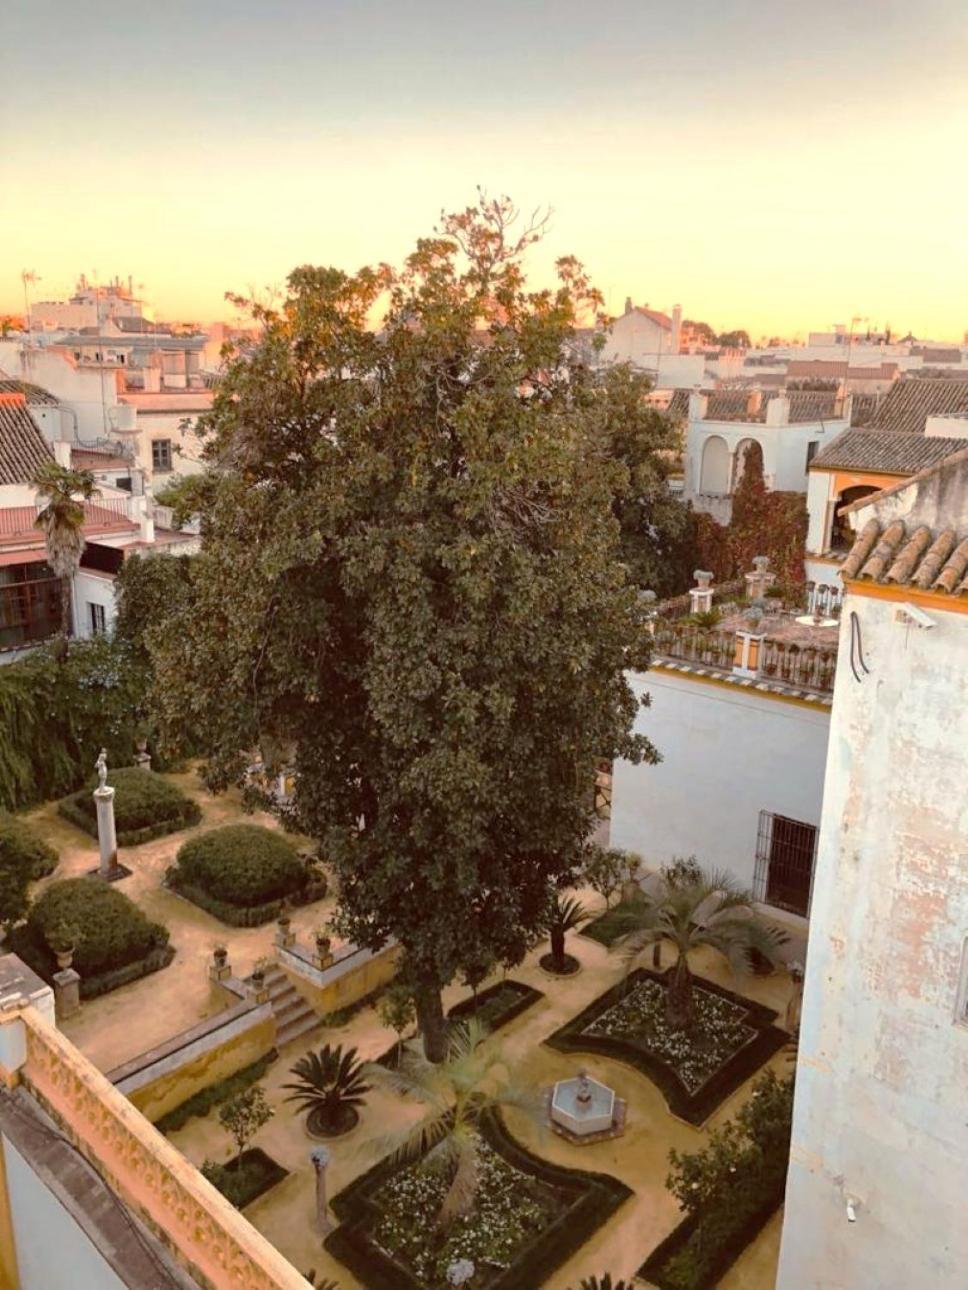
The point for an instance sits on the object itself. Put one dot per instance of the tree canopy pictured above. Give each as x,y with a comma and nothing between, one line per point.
411,586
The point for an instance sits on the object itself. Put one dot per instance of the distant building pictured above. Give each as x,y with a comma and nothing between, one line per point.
876,1188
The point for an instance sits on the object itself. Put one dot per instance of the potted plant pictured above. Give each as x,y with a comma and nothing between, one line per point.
323,943
62,940
330,1086
259,973
220,953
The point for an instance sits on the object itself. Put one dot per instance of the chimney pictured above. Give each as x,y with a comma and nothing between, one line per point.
778,410
753,404
676,327
697,406
701,595
628,304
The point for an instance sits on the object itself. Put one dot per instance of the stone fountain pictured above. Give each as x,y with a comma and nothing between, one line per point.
583,1109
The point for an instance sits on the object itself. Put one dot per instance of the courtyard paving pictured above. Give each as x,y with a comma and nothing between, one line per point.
128,1021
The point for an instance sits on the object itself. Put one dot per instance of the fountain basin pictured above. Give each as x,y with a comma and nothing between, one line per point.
582,1106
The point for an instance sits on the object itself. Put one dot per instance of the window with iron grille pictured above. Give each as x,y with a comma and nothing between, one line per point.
785,852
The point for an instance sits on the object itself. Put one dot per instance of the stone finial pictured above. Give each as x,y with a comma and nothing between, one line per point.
701,595
760,578
703,577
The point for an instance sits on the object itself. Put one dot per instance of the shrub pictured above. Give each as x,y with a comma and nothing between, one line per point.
241,865
110,931
19,843
205,1099
242,1180
145,806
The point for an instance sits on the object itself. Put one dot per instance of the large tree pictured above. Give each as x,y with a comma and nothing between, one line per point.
62,520
411,581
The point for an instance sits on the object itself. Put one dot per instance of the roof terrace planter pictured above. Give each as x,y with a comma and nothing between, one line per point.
696,1070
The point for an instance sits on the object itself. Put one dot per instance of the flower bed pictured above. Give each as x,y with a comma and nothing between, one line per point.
145,807
243,1181
528,1218
696,1070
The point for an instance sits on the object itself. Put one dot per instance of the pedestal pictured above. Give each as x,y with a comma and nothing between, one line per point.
67,993
143,760
320,1157
109,869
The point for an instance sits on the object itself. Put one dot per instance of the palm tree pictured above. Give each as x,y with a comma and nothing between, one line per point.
604,1282
564,915
62,520
330,1086
456,1092
696,907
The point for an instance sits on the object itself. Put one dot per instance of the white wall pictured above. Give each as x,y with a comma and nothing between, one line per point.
883,1073
819,494
727,754
784,448
634,338
90,586
53,1250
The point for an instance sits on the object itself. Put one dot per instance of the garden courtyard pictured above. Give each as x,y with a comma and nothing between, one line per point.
118,1026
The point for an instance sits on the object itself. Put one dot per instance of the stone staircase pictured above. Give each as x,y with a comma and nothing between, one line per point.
294,1016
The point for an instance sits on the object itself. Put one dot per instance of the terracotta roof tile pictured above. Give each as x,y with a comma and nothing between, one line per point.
33,393
921,560
22,445
890,454
910,401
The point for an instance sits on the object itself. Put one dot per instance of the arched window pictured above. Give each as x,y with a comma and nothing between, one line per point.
714,475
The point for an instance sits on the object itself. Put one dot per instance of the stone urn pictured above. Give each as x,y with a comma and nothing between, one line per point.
65,957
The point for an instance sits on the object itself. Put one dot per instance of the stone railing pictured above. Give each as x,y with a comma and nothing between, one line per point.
197,1224
802,666
677,606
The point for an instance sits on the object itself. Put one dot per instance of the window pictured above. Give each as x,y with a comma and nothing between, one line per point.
161,454
30,606
96,618
785,851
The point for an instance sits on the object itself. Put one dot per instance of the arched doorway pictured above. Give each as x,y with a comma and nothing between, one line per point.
714,472
748,453
841,534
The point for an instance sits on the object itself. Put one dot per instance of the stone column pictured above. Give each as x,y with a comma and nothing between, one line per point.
67,993
320,1156
106,836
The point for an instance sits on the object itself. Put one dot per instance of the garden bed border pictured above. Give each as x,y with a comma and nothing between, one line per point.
528,996
240,915
597,1197
187,818
697,1107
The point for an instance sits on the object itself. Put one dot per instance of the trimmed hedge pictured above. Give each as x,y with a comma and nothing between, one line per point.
587,1201
114,942
146,806
241,864
694,1107
244,875
205,1099
21,843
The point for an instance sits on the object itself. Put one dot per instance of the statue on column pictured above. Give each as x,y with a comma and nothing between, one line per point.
101,766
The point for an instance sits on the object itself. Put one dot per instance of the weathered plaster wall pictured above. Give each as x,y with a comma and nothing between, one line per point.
53,1251
162,1079
883,1073
727,754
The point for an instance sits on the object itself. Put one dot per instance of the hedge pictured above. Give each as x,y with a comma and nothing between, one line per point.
114,942
595,1197
241,864
242,1180
20,843
146,806
205,1099
695,1107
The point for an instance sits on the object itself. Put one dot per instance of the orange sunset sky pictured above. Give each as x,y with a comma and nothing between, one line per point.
776,167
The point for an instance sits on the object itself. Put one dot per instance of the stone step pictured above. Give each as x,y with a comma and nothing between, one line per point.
296,1029
291,1009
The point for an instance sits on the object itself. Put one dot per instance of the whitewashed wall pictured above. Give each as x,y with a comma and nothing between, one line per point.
728,753
882,1085
96,588
53,1251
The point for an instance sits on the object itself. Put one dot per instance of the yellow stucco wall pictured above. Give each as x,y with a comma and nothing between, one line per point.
233,1054
350,988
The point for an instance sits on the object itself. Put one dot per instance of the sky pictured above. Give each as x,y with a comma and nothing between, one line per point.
773,166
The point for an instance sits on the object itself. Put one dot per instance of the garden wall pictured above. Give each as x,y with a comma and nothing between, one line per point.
353,974
163,1077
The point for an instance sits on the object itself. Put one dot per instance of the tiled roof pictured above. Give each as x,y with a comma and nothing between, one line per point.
910,401
22,446
863,408
663,320
888,454
34,393
825,367
921,559
929,355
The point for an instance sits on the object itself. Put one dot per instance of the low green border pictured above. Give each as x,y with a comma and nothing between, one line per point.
274,1174
597,1197
696,1107
242,915
728,1252
528,995
188,816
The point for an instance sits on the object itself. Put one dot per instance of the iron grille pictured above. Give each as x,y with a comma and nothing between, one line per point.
785,852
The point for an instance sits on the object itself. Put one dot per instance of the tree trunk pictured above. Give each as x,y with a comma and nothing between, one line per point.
558,946
433,1027
65,607
679,1002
